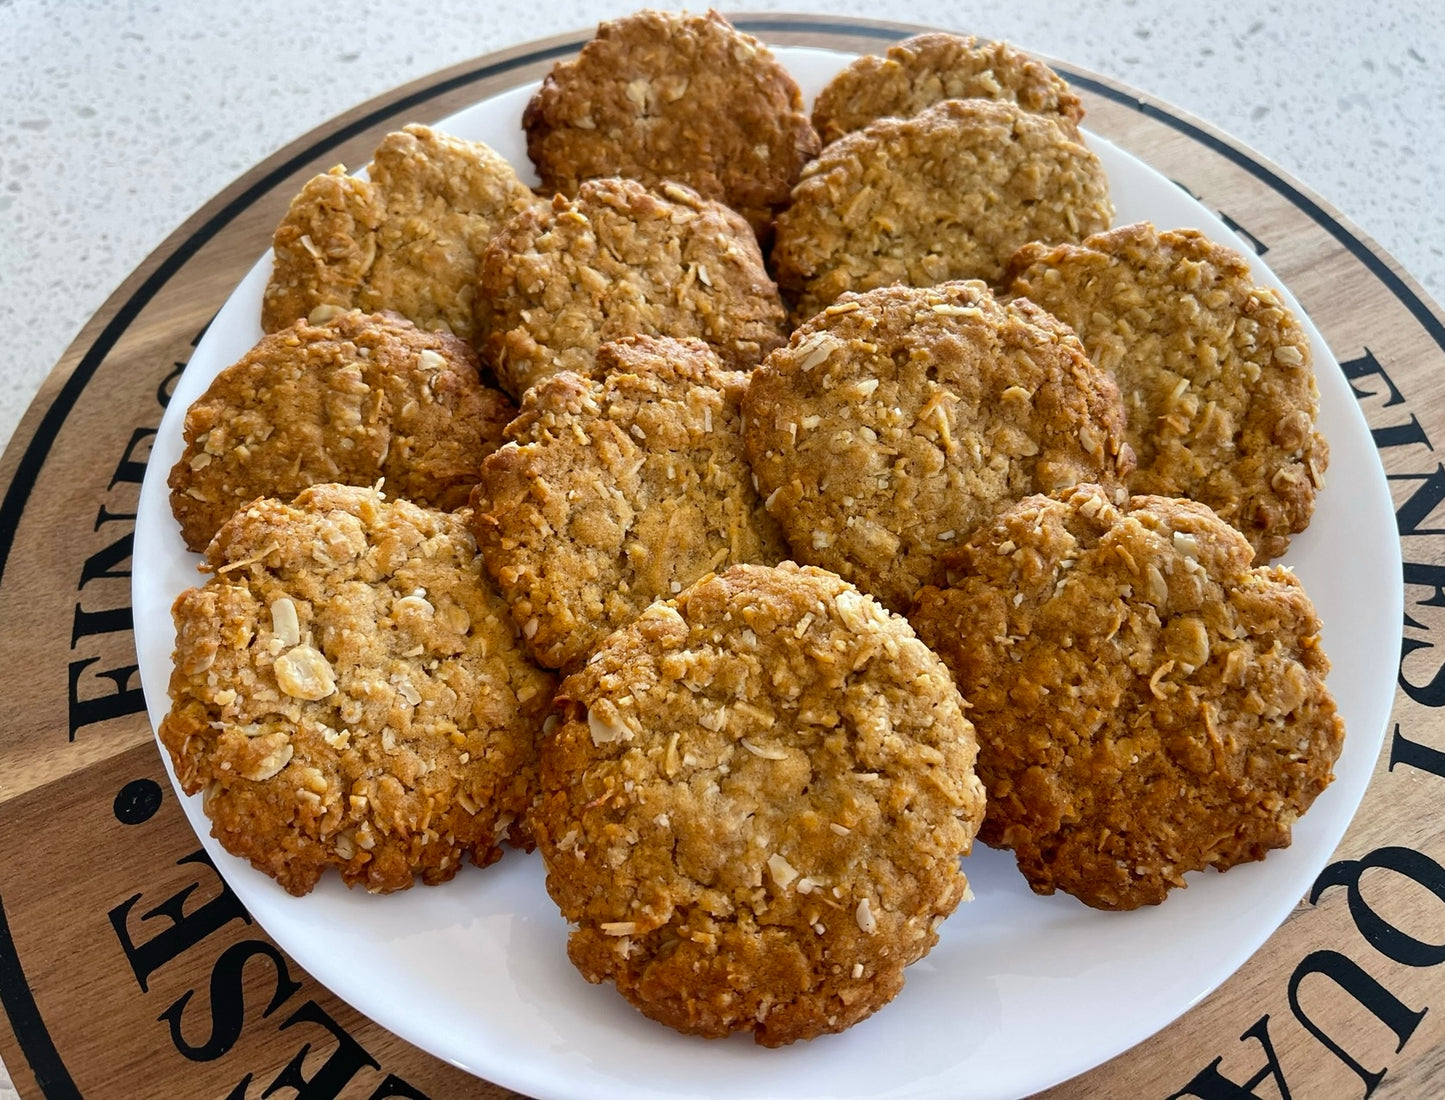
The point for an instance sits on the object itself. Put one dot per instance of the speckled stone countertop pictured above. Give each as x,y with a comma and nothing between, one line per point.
118,121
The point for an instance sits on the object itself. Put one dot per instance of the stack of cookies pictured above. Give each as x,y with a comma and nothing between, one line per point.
748,518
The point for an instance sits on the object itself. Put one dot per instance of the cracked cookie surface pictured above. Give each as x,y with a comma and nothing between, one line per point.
896,421
947,194
354,400
669,96
617,490
622,260
1219,392
928,68
407,238
754,803
348,692
1147,702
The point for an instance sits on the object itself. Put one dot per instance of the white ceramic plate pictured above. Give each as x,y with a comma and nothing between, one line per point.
1021,992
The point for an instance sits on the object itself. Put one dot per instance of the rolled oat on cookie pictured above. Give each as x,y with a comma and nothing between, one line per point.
348,691
929,68
356,399
1148,703
406,239
897,421
666,96
947,194
754,804
1215,372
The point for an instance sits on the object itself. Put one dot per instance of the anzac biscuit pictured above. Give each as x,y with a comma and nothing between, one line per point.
897,421
1147,703
359,398
947,194
754,803
1215,371
668,96
618,490
929,68
348,692
621,260
407,239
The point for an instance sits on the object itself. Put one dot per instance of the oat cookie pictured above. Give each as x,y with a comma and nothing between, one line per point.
618,490
928,68
897,421
357,399
406,239
1147,703
669,96
947,194
619,260
1215,371
348,692
754,803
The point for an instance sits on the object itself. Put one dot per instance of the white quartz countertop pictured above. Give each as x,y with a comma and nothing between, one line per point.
118,121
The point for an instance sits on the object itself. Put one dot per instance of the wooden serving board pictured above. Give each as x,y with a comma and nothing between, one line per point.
128,969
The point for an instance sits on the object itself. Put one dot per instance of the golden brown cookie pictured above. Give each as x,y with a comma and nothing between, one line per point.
947,194
1147,703
406,239
897,421
348,692
754,803
619,260
928,68
618,490
357,399
1215,371
670,96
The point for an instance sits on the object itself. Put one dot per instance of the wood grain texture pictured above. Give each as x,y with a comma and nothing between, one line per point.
124,971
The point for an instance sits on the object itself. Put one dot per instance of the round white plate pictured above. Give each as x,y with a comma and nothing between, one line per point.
1021,992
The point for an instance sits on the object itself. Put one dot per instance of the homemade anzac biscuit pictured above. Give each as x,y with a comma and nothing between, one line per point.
928,68
348,692
754,804
407,239
357,399
621,260
668,96
1147,703
947,194
897,421
617,490
1215,372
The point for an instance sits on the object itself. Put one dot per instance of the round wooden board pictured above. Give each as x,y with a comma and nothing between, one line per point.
128,969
